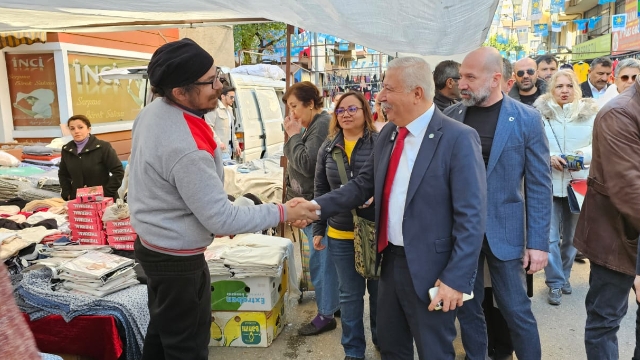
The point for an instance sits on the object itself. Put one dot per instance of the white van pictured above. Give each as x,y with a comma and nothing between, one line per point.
259,114
258,109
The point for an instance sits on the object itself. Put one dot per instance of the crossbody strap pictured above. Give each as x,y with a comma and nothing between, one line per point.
558,142
336,153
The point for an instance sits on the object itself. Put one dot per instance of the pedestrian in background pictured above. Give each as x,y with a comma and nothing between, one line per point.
568,120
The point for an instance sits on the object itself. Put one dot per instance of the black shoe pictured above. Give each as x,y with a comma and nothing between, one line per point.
337,313
309,329
580,258
352,358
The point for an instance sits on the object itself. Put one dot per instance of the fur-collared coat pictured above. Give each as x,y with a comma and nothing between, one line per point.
573,130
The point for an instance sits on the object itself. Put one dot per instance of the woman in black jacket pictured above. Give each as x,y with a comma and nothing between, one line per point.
352,132
87,161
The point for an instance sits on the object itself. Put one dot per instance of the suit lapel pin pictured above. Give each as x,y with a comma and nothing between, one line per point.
511,118
430,136
460,112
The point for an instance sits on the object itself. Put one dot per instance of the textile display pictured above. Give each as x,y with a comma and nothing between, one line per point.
260,177
129,306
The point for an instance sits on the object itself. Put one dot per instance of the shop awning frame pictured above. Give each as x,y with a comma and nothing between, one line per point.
17,38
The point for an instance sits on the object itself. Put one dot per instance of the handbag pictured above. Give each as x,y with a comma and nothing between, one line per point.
365,244
576,189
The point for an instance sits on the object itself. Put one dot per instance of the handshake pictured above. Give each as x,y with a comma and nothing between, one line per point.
301,212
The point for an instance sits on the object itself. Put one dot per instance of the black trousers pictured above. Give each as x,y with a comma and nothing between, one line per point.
179,289
403,317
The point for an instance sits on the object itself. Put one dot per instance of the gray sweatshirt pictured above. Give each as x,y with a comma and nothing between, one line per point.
176,195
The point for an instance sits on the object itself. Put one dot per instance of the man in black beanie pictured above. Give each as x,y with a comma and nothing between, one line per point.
178,203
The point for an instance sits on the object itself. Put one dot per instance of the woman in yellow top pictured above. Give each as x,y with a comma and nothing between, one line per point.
353,133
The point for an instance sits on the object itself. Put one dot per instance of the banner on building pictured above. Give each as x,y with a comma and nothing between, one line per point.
593,21
104,100
602,2
618,22
627,40
521,54
581,24
536,10
557,26
557,6
541,29
33,89
523,35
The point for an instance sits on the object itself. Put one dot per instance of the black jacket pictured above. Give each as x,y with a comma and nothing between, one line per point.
301,151
443,102
540,84
327,178
92,167
586,89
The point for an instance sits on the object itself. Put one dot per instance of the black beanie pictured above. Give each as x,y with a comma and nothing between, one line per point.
178,64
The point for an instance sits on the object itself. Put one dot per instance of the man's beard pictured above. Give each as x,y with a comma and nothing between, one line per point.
475,99
527,87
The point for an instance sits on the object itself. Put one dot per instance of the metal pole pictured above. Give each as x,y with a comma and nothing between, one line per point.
283,159
315,59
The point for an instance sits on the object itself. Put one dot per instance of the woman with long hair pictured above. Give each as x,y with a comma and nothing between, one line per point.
351,139
568,120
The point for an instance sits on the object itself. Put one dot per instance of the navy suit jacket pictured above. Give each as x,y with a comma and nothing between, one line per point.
518,178
445,210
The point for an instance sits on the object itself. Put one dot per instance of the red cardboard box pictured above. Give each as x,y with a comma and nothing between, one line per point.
73,220
84,213
89,194
121,238
118,223
96,206
125,230
85,226
122,246
101,240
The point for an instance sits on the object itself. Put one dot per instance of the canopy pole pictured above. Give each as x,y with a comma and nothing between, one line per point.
283,159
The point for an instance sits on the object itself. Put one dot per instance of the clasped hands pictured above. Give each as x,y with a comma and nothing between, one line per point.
301,212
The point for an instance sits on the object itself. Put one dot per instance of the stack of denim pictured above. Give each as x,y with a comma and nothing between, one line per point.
36,297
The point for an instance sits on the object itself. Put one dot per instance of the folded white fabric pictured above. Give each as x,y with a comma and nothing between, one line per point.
9,209
45,215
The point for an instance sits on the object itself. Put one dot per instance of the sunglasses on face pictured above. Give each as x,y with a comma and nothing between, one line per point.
212,82
625,78
530,72
352,110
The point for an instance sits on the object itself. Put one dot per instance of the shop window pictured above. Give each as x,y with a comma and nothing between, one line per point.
33,90
101,100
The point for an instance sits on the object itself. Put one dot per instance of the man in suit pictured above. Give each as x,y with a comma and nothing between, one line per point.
428,182
598,78
516,153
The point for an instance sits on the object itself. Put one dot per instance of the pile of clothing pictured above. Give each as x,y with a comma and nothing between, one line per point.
39,294
41,155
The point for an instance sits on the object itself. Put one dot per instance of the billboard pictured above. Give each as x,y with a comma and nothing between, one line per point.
629,39
103,100
33,89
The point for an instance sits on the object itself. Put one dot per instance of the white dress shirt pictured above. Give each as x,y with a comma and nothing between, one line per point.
596,93
397,199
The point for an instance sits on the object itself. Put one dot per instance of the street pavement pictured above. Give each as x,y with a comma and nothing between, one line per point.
561,329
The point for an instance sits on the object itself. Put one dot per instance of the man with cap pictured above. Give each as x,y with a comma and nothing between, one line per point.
178,203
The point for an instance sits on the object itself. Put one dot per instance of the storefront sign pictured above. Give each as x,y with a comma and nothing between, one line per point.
103,100
600,46
629,39
32,88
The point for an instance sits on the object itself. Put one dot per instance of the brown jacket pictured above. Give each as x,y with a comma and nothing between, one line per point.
609,225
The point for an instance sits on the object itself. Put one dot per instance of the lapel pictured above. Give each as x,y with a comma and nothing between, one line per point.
384,157
503,129
459,113
425,154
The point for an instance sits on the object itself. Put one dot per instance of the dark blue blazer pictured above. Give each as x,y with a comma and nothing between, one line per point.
445,210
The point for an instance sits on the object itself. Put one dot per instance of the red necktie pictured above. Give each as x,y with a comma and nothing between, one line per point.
383,237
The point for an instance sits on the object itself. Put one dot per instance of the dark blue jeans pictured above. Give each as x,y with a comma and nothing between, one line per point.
606,303
509,288
323,276
352,288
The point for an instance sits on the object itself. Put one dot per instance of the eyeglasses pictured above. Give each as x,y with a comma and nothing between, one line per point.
212,82
625,78
231,97
352,110
530,72
456,78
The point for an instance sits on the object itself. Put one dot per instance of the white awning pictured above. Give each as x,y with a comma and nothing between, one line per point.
427,27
